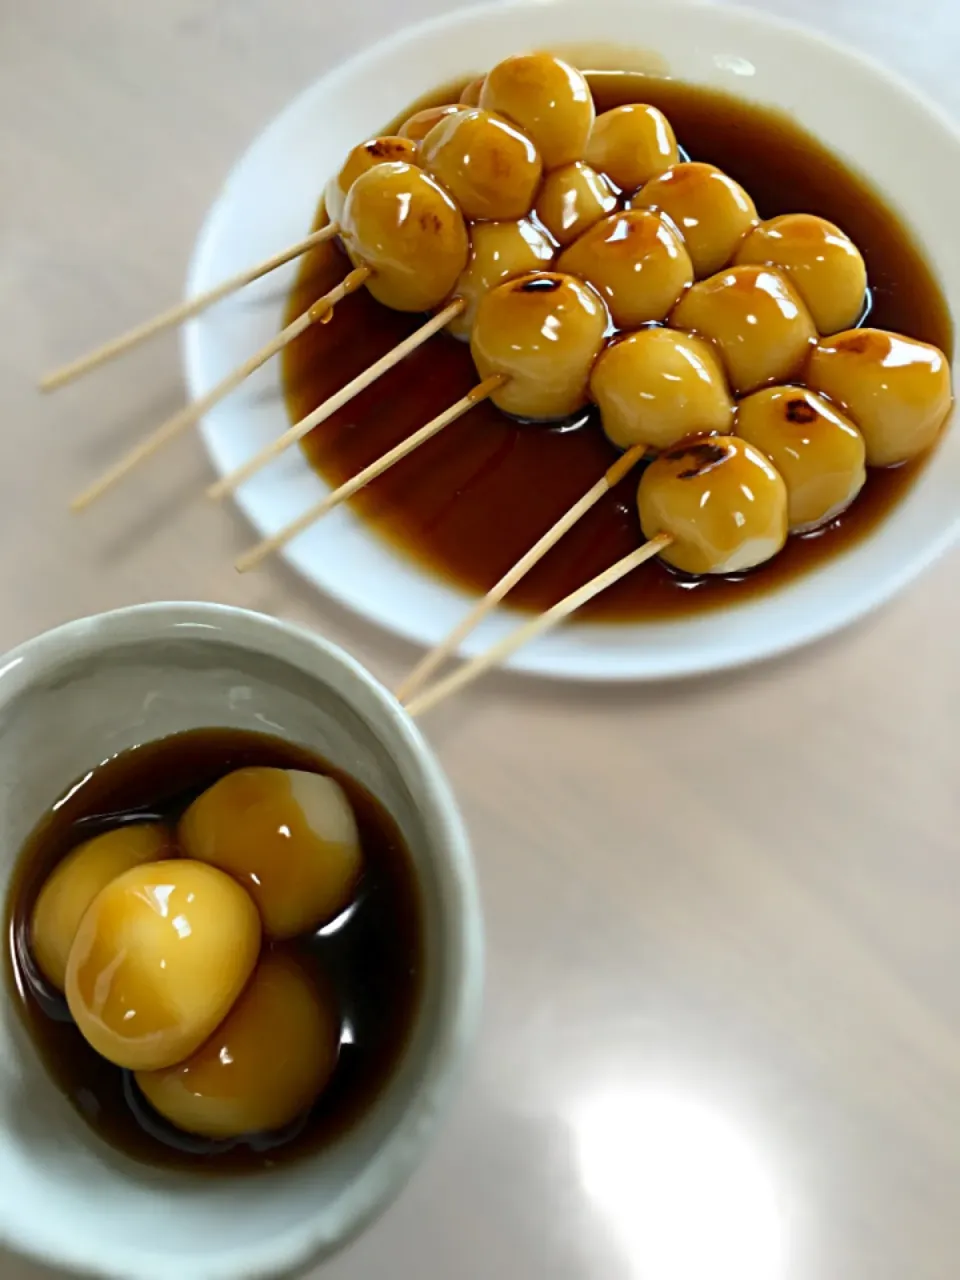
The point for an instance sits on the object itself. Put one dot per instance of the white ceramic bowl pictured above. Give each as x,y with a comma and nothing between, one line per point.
68,700
880,125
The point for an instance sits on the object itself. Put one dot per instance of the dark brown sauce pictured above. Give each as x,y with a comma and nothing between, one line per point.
374,960
471,501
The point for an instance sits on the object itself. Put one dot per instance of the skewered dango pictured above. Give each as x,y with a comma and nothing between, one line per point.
498,251
632,144
824,266
742,301
819,452
721,501
386,150
572,199
543,333
655,387
464,227
548,99
490,168
637,263
741,328
711,211
399,221
896,389
758,321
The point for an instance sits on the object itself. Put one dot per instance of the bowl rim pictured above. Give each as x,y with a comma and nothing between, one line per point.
583,651
452,1037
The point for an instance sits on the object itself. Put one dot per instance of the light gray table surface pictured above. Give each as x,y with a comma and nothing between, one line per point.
723,918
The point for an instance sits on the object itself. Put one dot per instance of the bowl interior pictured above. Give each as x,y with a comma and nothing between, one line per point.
66,1194
874,122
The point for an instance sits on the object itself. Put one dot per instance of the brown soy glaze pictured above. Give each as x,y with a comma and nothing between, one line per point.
470,502
374,961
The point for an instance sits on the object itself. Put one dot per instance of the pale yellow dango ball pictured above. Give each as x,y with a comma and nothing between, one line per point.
723,503
289,837
488,165
403,225
572,199
160,956
896,389
819,452
637,263
654,387
543,332
75,882
756,318
712,212
825,267
367,155
498,251
632,144
548,99
470,97
263,1067
420,123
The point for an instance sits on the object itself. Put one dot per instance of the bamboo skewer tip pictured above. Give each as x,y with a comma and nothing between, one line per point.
192,413
181,311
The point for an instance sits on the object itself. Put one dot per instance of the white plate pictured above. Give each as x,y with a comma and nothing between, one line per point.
909,149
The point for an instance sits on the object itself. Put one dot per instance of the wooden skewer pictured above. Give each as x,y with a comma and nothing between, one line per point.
252,558
329,407
183,311
536,626
194,412
428,664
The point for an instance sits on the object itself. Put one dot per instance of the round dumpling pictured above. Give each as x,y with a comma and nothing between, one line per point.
288,836
721,501
655,387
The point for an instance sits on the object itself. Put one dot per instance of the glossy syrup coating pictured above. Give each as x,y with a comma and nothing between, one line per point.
757,320
655,387
548,99
488,165
572,199
264,1066
637,263
825,267
400,222
720,499
289,837
712,212
632,144
386,150
498,251
819,452
896,389
417,126
75,882
784,169
543,332
159,958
